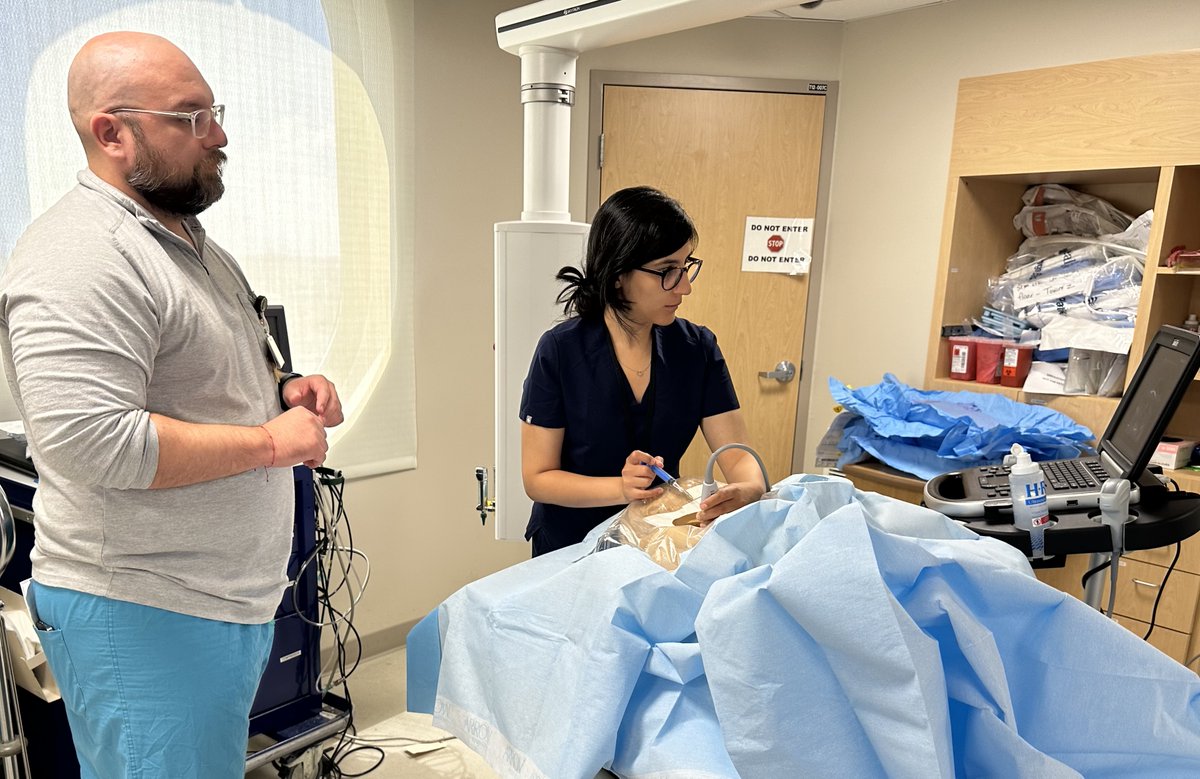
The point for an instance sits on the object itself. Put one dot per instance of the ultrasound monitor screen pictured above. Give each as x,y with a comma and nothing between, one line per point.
1162,378
1136,426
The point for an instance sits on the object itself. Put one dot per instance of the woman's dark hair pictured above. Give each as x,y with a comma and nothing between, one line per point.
634,226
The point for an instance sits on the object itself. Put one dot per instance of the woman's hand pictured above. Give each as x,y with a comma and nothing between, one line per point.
636,477
729,498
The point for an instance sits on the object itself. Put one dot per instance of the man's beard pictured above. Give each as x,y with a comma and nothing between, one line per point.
188,195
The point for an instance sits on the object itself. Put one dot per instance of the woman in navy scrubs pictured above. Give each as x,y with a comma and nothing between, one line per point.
623,381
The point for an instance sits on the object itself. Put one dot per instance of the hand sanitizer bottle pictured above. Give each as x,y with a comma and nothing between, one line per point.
1028,489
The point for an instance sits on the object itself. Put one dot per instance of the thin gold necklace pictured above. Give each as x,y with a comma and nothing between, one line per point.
640,373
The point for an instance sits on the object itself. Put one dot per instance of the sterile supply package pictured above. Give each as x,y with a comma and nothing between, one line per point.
1091,372
1172,453
1085,276
929,432
1066,332
822,632
1053,208
1053,251
664,528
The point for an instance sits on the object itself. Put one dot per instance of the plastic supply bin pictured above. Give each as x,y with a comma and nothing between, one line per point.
989,360
962,357
1017,359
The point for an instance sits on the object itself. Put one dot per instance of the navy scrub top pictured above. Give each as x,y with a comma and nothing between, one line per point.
576,383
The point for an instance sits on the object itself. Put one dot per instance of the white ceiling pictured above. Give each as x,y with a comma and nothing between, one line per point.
846,10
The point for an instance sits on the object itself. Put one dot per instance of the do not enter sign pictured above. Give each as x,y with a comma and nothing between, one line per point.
777,245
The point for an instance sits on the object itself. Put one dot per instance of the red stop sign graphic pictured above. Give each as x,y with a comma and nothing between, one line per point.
775,243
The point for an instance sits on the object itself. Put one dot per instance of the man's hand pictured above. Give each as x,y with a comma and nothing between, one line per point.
298,435
317,394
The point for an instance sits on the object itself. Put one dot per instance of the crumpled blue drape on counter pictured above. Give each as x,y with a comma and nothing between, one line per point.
930,432
827,632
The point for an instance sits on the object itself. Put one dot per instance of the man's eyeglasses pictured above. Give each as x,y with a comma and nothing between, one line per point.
671,277
201,119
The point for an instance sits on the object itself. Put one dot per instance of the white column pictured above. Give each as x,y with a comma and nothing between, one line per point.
547,93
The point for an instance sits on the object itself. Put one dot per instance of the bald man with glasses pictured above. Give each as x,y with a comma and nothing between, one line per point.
162,430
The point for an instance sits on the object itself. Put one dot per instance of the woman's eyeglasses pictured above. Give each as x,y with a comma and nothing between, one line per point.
671,277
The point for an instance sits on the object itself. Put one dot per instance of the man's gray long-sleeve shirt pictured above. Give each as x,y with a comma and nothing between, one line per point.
105,317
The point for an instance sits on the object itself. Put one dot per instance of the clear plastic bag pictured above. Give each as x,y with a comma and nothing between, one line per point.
1081,372
1095,373
664,528
1020,296
1057,250
1053,208
1114,379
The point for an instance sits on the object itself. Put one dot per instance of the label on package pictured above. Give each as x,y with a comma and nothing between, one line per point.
958,358
1058,286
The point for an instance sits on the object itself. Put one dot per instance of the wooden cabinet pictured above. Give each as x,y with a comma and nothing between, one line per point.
1124,130
1140,578
1141,574
874,476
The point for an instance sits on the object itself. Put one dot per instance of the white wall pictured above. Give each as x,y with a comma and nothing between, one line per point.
419,527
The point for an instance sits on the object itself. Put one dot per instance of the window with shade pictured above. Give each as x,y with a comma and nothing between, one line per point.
317,207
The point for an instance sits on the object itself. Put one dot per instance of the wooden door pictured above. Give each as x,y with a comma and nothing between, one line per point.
727,155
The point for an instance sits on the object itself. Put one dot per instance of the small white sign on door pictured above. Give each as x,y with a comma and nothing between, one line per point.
777,245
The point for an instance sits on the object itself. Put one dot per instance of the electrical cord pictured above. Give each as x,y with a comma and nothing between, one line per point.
336,574
339,588
1114,512
1112,583
1084,581
1154,610
401,740
710,483
1196,656
1161,587
1112,563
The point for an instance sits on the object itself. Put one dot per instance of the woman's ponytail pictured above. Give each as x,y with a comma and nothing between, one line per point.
580,297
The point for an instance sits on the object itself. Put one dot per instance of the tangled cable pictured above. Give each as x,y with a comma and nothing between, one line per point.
342,573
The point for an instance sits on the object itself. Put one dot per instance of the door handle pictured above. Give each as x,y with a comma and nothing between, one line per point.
783,373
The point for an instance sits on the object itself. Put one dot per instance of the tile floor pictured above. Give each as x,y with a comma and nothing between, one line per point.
377,688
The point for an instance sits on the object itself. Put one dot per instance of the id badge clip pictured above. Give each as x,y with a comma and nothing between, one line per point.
273,354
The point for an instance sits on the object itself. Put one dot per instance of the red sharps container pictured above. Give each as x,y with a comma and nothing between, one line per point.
1017,359
989,359
962,357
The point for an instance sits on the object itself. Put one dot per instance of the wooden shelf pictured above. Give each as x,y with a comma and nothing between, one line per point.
1188,481
1040,126
958,385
